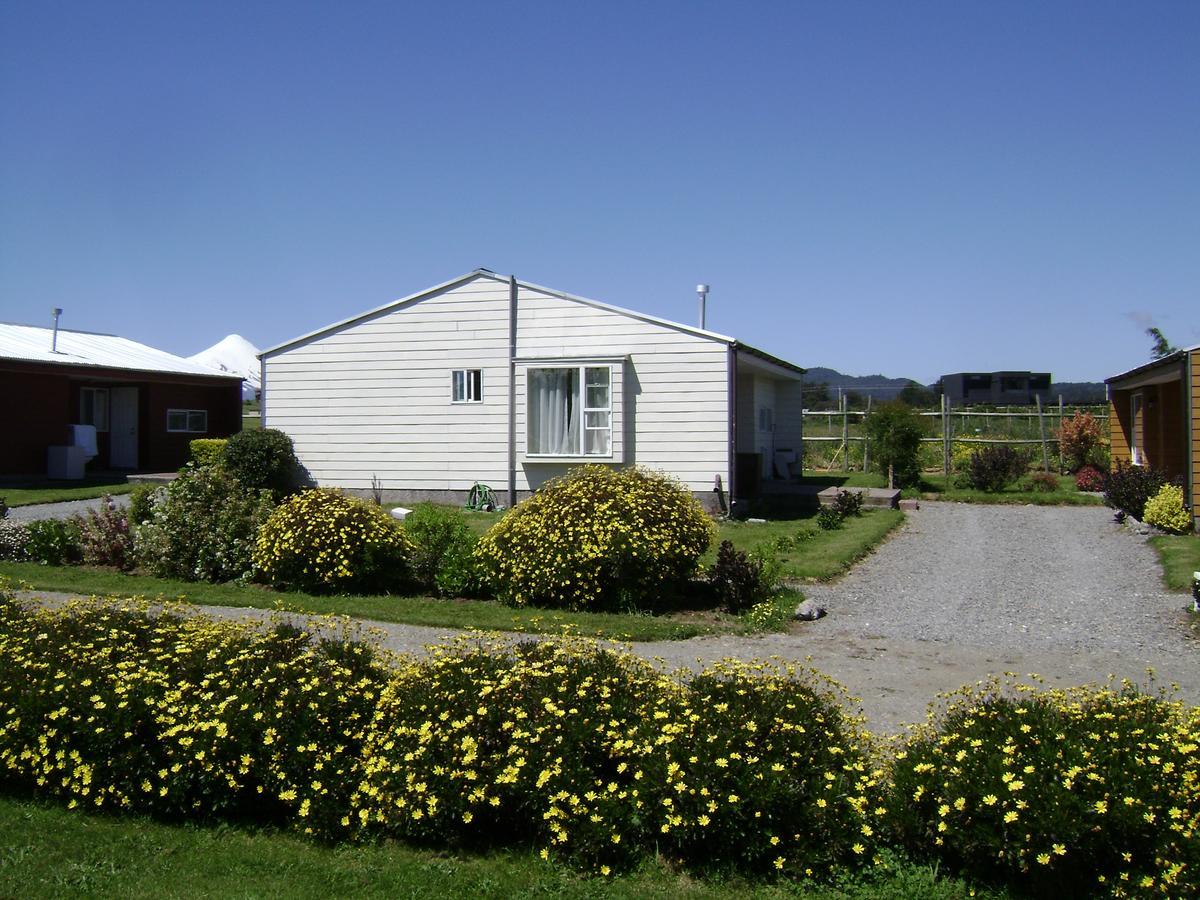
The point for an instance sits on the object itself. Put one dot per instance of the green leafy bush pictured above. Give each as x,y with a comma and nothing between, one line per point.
848,503
203,528
597,539
263,458
1128,488
443,545
105,537
142,500
1165,510
207,451
993,469
828,519
740,580
1090,790
14,536
894,432
53,542
1043,482
1078,439
322,541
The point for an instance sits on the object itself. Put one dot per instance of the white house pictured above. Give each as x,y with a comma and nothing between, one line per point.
489,379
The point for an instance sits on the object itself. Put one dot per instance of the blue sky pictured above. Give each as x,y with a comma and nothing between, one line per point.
905,188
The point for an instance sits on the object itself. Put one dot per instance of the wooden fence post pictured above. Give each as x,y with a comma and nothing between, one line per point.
1042,430
866,445
946,429
845,435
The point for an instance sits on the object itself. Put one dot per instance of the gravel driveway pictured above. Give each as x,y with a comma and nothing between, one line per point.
63,510
961,592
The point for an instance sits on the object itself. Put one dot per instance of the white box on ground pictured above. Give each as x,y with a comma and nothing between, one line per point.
66,462
400,513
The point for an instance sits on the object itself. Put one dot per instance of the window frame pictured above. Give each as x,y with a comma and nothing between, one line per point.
1137,404
584,409
188,414
95,392
471,385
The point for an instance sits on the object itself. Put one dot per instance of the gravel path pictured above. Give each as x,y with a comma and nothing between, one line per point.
961,592
62,510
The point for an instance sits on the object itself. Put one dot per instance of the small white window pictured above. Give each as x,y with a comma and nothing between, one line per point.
467,386
557,396
193,421
93,407
1136,425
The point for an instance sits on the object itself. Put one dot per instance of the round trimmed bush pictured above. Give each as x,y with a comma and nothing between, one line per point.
1057,792
595,539
262,458
322,541
1165,510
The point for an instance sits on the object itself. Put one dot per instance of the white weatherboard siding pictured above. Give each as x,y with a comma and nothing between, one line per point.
373,398
673,407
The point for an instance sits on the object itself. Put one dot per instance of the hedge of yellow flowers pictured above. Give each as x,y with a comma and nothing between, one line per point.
587,753
597,538
1165,510
1093,790
323,541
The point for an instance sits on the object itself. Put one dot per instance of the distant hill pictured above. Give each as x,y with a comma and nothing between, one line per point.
881,387
236,356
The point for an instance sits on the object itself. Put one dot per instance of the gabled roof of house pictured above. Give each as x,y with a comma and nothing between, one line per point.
488,273
30,343
1169,359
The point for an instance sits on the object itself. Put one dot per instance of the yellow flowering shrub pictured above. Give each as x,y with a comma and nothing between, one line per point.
1165,510
322,541
597,756
1091,790
597,538
107,707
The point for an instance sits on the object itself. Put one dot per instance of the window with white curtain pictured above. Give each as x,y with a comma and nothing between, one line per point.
570,411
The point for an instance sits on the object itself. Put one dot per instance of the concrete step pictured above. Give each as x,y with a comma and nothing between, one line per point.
877,497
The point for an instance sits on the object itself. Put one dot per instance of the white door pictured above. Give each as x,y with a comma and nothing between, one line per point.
123,428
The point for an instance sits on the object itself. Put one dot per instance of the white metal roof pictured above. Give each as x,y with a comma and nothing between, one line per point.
30,343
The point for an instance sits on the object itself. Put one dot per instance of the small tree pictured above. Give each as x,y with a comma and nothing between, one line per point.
1162,347
894,433
1078,439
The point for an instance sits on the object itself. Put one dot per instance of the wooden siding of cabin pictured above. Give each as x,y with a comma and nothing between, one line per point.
675,394
1193,405
373,397
1118,428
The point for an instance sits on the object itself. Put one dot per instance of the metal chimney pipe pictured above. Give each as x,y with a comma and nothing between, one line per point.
54,339
702,290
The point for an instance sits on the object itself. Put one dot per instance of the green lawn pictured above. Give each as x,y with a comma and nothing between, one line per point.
48,852
43,490
430,611
934,487
1180,557
807,551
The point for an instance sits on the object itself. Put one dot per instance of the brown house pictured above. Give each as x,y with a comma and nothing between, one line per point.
145,405
1154,419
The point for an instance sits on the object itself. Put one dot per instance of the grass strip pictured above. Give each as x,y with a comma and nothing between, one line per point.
812,553
939,487
50,852
58,493
1180,557
431,611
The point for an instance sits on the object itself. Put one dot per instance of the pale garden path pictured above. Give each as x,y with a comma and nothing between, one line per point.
959,593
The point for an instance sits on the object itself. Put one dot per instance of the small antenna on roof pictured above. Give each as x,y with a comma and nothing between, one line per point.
702,290
54,338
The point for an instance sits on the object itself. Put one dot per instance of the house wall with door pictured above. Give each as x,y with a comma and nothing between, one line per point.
38,401
1154,419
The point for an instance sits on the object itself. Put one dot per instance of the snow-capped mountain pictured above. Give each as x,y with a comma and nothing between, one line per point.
237,356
